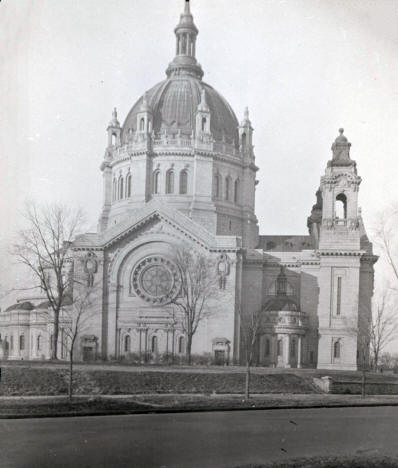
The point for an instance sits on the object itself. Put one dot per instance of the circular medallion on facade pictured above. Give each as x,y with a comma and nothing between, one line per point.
155,279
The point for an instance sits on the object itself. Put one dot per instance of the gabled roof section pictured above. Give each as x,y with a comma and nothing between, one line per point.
156,209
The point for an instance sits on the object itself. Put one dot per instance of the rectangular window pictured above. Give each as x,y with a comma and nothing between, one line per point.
338,303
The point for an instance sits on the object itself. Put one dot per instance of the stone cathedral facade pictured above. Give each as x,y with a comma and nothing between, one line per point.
181,170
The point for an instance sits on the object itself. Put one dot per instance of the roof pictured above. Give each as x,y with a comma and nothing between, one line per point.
174,102
21,306
281,303
286,243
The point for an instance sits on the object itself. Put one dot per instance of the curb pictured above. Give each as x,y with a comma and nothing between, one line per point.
183,410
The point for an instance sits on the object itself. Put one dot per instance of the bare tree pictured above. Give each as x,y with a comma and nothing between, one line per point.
249,332
384,327
76,319
386,237
43,247
198,284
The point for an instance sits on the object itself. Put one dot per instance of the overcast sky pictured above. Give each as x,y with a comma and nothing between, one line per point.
304,69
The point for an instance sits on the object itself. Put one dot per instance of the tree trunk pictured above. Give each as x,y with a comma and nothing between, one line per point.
70,390
363,384
247,383
55,335
189,346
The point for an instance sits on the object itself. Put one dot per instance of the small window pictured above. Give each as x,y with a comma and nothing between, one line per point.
336,349
227,188
267,347
203,124
230,225
280,347
155,182
218,186
341,206
181,345
293,348
183,182
128,186
120,188
338,294
142,125
236,191
21,342
154,344
243,140
170,182
127,344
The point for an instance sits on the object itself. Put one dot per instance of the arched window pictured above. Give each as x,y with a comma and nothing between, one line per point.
227,188
120,188
142,125
336,349
267,347
170,181
183,182
6,343
21,342
218,186
236,191
181,345
127,344
341,206
154,344
113,139
12,342
243,140
114,192
128,185
280,347
203,124
51,342
38,343
156,182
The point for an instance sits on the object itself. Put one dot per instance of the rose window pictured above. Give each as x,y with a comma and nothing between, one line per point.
155,279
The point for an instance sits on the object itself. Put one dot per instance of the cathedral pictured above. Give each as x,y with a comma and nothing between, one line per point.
181,170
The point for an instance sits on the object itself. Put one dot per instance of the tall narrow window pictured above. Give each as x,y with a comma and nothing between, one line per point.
227,188
338,296
267,347
156,182
180,344
120,188
170,181
12,342
142,125
203,124
39,343
21,342
293,348
183,182
218,186
236,191
154,344
128,185
336,349
280,347
127,344
341,206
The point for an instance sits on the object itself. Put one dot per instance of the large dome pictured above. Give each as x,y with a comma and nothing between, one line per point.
174,102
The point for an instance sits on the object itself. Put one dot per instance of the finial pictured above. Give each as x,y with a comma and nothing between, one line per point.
186,8
246,113
203,103
114,122
341,131
114,113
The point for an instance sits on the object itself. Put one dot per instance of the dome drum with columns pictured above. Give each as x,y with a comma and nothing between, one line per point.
181,171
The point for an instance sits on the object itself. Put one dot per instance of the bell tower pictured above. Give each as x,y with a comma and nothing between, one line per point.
340,256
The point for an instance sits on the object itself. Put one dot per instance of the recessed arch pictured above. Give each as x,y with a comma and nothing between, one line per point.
341,206
183,182
170,181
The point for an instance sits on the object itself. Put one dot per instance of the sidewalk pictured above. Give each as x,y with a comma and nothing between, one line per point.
90,405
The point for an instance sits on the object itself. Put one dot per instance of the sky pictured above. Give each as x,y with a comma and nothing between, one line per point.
304,68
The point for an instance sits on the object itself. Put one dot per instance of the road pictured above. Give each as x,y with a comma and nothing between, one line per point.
203,440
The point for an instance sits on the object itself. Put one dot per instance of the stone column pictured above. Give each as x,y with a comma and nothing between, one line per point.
299,352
